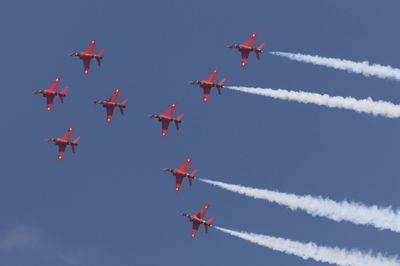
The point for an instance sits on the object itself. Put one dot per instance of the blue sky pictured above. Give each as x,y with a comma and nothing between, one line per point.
111,204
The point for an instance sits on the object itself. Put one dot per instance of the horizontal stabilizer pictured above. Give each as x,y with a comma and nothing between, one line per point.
220,85
122,106
192,175
208,223
62,94
74,144
259,50
178,120
99,56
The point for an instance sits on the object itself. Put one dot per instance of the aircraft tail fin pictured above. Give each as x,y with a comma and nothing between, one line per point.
99,56
208,223
74,144
220,85
259,50
122,106
62,94
178,120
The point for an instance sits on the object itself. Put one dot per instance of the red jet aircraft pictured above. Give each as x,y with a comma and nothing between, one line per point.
198,219
111,103
181,173
51,92
246,48
208,84
64,141
167,118
88,55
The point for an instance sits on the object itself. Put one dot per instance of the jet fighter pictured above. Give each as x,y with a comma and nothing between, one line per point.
198,219
246,48
64,141
167,118
51,92
181,173
208,84
87,56
111,103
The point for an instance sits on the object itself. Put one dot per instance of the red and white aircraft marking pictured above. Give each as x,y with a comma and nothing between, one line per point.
198,219
51,92
167,118
208,84
87,56
64,141
246,48
181,173
111,103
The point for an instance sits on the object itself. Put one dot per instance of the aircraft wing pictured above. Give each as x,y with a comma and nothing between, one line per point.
68,134
61,150
54,86
164,127
86,65
178,183
251,40
171,110
91,46
203,211
206,94
109,111
195,228
115,95
212,76
49,100
245,56
185,165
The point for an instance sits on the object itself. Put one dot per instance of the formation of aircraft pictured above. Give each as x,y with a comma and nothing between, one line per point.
208,84
167,118
51,92
87,56
64,141
247,47
198,219
181,173
111,103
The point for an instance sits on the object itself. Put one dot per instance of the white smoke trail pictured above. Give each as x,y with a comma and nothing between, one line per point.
310,250
378,217
368,106
364,68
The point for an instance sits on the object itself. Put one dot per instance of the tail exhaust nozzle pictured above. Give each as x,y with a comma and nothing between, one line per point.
122,106
74,144
62,94
99,56
259,50
178,120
